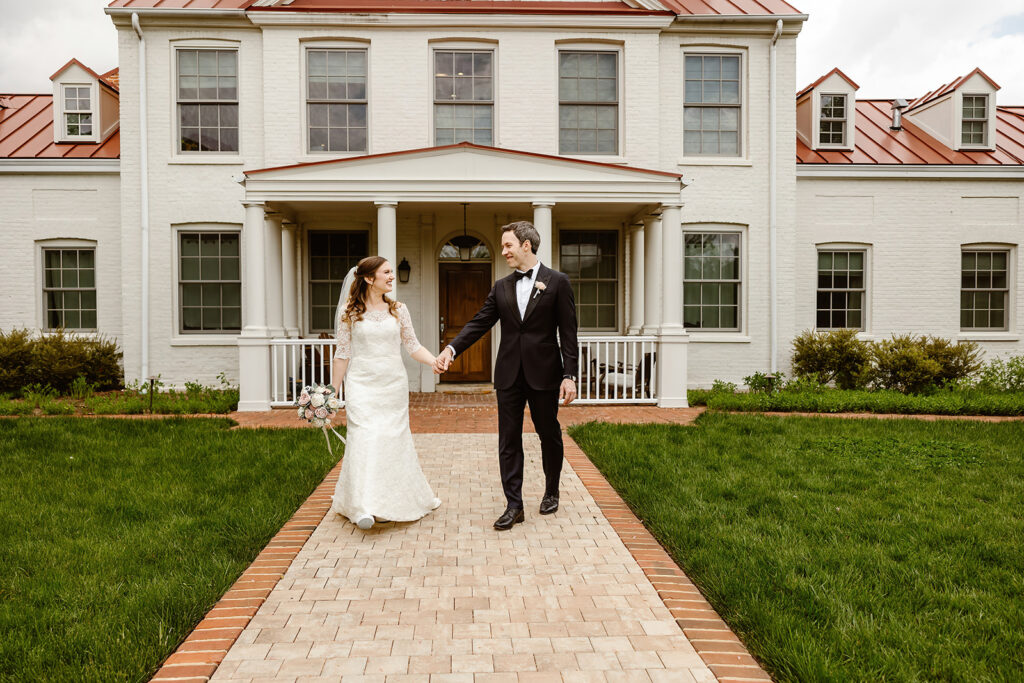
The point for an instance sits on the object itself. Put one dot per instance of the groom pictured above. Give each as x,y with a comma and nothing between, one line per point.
533,303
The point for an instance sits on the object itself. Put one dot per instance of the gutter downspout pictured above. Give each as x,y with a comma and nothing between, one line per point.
144,199
773,289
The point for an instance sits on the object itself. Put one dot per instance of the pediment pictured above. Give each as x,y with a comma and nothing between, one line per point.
461,171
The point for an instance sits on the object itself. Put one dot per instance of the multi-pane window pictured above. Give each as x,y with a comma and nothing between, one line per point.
588,103
711,281
69,288
77,110
463,97
331,254
974,122
336,100
209,282
984,289
207,100
590,258
711,113
840,300
833,120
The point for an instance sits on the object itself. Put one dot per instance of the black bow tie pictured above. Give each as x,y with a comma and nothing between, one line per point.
528,274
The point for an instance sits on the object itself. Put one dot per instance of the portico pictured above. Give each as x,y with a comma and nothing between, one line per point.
407,206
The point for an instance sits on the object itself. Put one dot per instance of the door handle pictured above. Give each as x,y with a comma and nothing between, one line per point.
442,327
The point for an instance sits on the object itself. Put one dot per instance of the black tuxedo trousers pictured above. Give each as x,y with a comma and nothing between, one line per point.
536,351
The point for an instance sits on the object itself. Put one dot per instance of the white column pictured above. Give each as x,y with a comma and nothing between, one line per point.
289,278
652,274
673,339
253,342
636,279
275,270
542,221
387,235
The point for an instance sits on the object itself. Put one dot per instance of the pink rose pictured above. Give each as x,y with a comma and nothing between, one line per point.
320,412
540,285
304,399
309,414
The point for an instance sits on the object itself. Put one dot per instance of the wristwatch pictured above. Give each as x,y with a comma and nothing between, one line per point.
572,377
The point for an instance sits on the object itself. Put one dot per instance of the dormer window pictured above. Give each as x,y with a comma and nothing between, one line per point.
974,123
832,130
77,111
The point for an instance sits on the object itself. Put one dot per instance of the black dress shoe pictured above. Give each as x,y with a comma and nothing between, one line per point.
549,504
509,518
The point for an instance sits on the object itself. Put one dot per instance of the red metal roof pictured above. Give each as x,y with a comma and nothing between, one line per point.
680,7
875,143
465,145
26,132
102,79
952,85
821,80
112,78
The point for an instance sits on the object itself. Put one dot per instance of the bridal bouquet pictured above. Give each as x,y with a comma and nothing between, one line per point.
317,405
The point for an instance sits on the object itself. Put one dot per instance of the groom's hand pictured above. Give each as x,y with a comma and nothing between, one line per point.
567,392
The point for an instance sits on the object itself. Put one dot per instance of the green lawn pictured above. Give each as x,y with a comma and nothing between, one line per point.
841,550
116,536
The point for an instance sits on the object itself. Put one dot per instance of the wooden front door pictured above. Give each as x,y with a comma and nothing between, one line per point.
464,286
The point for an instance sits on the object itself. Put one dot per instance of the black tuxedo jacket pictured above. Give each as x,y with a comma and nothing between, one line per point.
529,342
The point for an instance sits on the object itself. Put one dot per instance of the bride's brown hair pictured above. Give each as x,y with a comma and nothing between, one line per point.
360,291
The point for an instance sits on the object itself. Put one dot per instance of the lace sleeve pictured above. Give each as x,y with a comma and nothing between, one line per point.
343,337
409,340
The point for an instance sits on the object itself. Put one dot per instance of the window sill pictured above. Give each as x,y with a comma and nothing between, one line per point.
81,334
205,340
988,336
714,161
697,337
235,160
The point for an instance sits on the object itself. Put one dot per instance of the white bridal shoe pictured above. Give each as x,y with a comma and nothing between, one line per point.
364,522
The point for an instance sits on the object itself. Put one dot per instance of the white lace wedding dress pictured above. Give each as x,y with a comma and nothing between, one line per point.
380,473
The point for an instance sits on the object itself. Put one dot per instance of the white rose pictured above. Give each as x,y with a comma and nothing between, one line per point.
302,412
320,389
317,400
334,404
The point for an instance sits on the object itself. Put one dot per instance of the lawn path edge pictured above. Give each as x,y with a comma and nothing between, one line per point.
711,637
202,651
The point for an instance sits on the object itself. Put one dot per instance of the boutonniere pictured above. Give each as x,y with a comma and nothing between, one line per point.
540,287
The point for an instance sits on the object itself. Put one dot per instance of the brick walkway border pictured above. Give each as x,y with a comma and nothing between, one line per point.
714,641
198,656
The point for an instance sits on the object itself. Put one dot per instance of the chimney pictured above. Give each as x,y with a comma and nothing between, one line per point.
898,105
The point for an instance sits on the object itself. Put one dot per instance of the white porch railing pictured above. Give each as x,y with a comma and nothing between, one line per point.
617,370
295,363
612,369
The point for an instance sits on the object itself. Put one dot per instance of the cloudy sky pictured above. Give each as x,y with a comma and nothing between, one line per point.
902,52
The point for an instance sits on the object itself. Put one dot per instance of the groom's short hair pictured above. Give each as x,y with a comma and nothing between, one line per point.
524,230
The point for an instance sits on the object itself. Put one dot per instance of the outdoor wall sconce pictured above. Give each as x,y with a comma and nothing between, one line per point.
403,271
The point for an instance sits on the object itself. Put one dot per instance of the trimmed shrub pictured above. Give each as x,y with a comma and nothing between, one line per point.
56,360
834,356
915,365
957,360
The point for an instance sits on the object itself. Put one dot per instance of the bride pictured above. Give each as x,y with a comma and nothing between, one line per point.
380,474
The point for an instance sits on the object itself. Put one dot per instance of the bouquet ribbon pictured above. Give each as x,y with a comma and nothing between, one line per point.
328,439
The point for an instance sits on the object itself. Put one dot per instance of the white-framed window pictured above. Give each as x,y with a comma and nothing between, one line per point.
984,288
331,254
463,96
336,99
974,121
841,292
206,87
209,282
69,287
588,102
712,110
78,115
832,122
712,280
590,258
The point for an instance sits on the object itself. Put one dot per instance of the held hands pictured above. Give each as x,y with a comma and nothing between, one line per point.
567,392
443,360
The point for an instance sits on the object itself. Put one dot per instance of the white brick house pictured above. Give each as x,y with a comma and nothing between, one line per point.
704,217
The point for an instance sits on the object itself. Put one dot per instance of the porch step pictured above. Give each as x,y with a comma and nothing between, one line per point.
468,388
